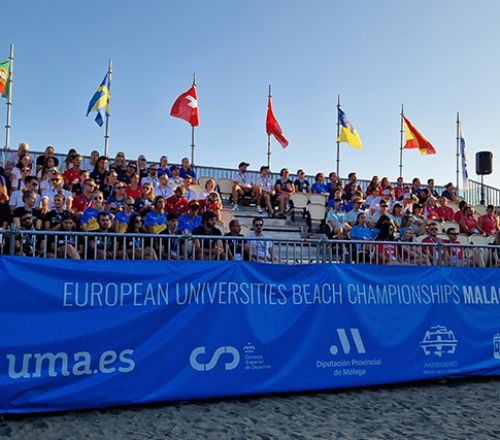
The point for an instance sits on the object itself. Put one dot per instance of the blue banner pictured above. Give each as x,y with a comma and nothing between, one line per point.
83,334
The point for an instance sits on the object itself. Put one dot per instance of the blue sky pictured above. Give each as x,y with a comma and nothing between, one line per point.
436,57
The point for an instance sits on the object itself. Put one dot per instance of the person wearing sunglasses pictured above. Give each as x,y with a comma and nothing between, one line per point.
57,188
16,198
261,247
122,217
116,201
138,247
88,222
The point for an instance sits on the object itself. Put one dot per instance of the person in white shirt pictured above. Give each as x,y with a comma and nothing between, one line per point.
163,189
57,188
243,185
152,177
16,198
265,183
260,249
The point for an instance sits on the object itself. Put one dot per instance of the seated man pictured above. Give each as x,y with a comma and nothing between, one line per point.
102,247
155,221
432,252
235,249
261,247
88,221
266,193
336,219
488,222
189,220
243,185
208,248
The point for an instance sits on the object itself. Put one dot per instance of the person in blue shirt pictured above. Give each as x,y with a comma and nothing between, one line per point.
319,185
190,220
186,170
361,232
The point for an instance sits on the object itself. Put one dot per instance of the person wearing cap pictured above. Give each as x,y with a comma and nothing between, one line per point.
208,248
352,215
266,193
336,219
488,222
190,219
243,185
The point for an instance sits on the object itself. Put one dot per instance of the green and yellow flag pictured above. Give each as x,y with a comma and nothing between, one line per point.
4,77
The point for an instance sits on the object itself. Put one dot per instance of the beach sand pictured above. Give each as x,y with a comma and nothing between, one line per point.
455,410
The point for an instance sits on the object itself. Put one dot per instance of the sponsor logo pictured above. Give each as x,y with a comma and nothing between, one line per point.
345,344
232,352
496,346
68,364
438,341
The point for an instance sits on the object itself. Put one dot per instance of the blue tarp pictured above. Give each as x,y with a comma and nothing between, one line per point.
83,334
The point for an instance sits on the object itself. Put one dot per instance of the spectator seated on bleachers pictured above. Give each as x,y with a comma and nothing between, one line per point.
284,189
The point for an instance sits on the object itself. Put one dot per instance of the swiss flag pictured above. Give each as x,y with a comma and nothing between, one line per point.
272,126
186,107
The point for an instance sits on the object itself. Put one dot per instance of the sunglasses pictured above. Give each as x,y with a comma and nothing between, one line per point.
55,180
98,198
138,221
129,204
452,233
25,170
259,225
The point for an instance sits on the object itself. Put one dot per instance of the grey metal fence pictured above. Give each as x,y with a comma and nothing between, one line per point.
114,246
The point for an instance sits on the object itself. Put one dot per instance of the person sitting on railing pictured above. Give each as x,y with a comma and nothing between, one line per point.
155,220
488,221
208,248
122,217
102,247
386,253
177,203
187,170
266,193
361,231
52,221
138,248
90,165
443,211
65,246
236,249
412,254
468,224
88,221
284,189
301,183
261,247
29,201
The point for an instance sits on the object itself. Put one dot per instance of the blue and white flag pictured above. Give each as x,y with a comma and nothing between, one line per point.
463,155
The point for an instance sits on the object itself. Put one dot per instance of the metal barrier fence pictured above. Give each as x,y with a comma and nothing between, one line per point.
99,246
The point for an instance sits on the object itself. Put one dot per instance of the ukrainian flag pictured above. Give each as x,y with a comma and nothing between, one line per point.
99,101
347,132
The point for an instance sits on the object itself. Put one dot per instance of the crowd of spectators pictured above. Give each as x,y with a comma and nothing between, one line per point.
120,196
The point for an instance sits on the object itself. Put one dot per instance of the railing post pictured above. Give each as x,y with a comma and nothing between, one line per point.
12,234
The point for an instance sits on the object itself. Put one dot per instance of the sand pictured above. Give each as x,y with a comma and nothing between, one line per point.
455,410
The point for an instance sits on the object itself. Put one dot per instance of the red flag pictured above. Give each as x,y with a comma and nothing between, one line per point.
415,139
272,126
186,107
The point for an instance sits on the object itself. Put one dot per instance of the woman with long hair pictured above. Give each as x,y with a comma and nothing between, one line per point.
412,254
145,202
386,253
138,248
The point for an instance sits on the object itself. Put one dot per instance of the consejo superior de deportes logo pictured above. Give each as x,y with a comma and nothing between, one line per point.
230,355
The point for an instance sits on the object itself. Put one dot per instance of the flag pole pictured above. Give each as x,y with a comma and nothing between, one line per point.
269,137
9,83
401,143
338,135
458,150
106,133
192,129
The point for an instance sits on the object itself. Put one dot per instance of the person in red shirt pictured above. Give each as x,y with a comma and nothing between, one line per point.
71,175
468,224
84,201
444,212
177,204
488,222
460,213
134,189
432,252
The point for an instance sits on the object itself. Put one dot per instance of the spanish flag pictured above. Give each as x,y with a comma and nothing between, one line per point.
415,139
347,132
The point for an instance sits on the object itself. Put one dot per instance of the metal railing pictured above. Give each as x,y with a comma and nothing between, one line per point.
115,246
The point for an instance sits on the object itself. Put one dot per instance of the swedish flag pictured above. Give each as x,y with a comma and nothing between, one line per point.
347,132
99,101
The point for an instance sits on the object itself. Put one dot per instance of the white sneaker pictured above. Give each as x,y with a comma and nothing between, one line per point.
236,208
259,209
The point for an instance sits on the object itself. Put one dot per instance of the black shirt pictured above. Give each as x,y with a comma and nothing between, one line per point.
207,243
